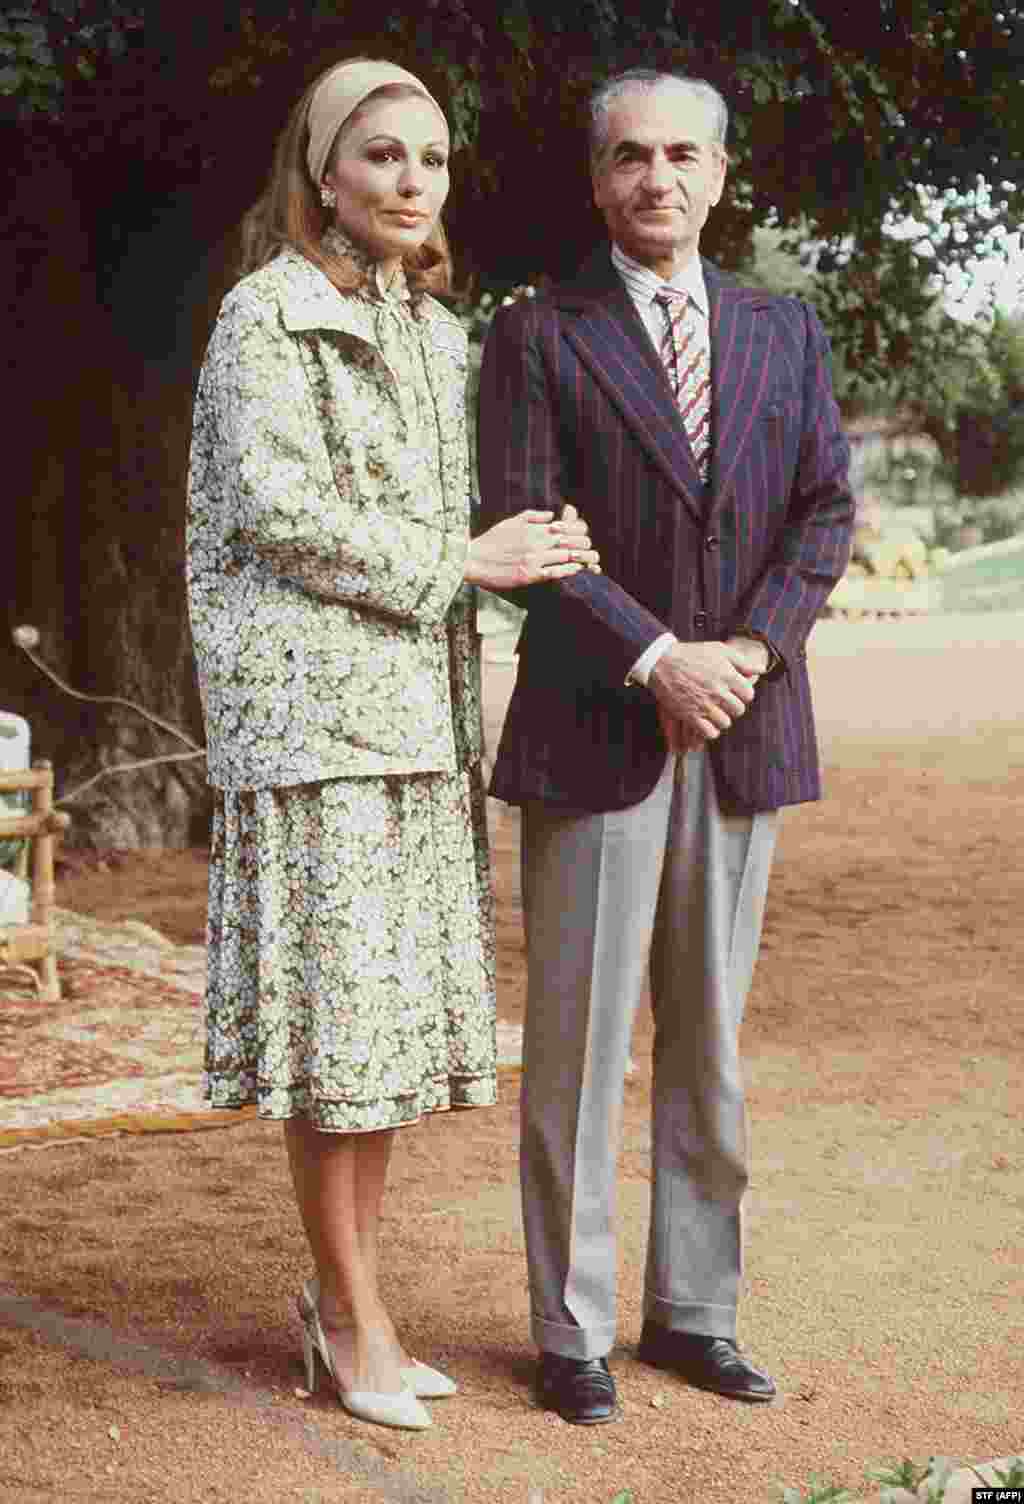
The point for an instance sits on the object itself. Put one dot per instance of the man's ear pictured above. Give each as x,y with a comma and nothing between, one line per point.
721,167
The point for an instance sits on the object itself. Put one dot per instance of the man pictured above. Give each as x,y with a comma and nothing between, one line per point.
661,716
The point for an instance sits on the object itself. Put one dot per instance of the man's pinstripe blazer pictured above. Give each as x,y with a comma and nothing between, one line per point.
575,407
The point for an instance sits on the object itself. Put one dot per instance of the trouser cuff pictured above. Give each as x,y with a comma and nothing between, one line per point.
702,1320
573,1341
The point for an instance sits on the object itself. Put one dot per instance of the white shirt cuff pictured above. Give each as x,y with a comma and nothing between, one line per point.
642,668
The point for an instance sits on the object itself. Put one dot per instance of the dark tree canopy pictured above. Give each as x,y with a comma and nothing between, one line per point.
843,115
137,134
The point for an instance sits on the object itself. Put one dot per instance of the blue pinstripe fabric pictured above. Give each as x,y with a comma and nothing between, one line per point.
576,406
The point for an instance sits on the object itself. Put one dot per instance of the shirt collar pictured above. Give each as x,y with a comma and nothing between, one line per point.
645,284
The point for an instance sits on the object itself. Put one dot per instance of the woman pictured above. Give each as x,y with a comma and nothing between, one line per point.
351,979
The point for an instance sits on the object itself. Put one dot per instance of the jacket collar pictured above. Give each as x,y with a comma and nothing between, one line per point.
609,336
310,300
597,279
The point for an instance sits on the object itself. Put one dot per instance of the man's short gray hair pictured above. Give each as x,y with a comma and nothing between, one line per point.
605,95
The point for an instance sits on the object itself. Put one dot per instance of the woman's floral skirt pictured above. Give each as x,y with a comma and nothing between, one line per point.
351,951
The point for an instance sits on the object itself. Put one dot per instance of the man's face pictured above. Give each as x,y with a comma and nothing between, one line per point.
658,173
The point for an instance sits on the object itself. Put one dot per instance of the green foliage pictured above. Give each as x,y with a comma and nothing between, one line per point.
28,76
818,1492
962,383
910,473
933,1476
906,1474
1008,1477
776,264
966,520
464,102
830,98
990,415
940,1472
847,120
1006,351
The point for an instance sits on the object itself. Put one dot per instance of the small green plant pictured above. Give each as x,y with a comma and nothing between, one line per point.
927,1480
940,1473
908,1475
819,1491
1009,1477
905,1474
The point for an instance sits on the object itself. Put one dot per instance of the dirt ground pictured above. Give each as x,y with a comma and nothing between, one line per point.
148,1350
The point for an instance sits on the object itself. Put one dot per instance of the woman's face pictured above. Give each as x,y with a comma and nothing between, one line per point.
389,170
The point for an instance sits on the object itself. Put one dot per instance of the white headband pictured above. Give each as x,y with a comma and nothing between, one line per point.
342,91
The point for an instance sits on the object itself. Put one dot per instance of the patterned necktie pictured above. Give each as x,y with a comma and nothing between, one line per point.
684,351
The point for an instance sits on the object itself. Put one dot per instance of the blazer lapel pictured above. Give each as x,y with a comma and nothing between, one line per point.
741,351
603,327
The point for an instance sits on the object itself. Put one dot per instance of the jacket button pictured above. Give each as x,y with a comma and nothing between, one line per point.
700,621
710,541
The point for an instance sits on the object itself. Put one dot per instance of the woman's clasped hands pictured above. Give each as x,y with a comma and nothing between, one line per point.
531,547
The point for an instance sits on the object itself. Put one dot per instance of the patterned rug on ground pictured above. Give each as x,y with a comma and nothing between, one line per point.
121,1052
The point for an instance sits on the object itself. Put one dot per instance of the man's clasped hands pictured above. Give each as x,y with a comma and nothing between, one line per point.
701,688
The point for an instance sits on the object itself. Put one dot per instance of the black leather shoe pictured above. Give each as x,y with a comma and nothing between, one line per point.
580,1389
714,1363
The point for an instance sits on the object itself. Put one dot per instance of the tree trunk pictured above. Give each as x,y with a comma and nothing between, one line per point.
98,483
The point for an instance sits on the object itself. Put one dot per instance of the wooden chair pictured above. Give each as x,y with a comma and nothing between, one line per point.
29,948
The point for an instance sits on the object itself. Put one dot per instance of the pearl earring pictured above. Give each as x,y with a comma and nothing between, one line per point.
328,197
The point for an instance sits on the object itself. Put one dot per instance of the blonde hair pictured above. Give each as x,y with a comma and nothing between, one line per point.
290,213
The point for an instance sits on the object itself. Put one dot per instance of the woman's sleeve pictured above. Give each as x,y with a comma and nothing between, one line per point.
290,510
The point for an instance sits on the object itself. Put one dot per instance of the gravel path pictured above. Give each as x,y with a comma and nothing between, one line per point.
148,1350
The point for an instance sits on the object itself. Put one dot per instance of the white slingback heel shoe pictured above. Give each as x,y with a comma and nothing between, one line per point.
428,1383
424,1382
402,1410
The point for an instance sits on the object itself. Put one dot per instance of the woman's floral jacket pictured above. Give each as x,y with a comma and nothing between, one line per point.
327,534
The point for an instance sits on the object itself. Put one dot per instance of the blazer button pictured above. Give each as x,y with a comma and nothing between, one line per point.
700,621
710,541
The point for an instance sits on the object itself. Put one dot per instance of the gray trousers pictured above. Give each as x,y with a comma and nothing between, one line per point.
675,885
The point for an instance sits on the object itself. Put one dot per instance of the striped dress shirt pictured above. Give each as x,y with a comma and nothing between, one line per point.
643,287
